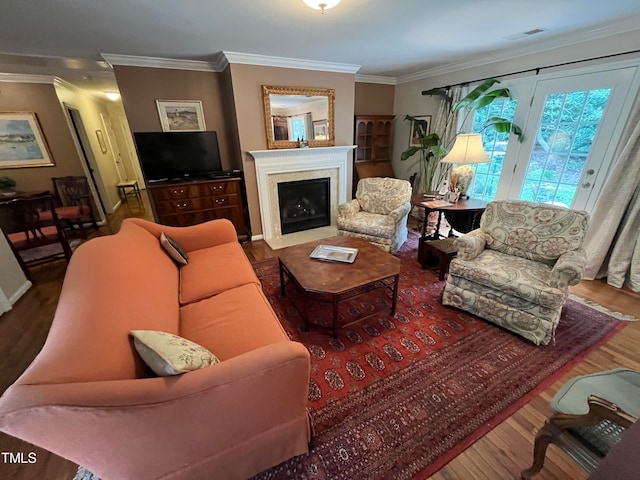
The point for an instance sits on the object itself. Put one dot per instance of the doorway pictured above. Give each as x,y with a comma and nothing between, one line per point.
570,127
95,181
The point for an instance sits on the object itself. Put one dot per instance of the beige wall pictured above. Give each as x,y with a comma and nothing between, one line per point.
41,99
374,99
140,87
12,279
247,91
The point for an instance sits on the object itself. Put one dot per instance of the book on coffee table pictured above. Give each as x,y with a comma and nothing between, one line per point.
334,254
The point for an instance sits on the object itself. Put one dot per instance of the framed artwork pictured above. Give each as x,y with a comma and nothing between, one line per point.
103,146
419,127
22,143
320,129
181,116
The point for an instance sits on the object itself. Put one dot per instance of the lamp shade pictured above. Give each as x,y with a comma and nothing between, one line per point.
321,4
467,149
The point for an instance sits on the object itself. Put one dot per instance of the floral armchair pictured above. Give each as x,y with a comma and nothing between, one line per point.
378,213
516,268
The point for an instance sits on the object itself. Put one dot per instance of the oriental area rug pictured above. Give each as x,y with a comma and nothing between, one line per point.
400,396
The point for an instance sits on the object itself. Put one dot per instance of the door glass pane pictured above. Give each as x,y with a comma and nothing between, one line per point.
487,175
567,128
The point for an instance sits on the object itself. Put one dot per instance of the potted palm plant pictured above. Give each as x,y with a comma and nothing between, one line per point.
431,149
7,186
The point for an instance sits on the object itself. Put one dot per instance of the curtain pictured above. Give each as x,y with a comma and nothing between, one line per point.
613,240
446,124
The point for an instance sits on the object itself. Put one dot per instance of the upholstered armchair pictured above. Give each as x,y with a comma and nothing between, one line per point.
516,268
378,213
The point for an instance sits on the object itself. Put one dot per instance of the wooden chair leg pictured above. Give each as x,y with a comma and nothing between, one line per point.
312,433
83,231
544,437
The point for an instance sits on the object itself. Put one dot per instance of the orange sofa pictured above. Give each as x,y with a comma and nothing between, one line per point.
89,397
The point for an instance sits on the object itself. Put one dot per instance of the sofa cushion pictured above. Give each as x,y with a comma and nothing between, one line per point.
369,223
168,354
173,249
113,284
517,276
232,323
213,270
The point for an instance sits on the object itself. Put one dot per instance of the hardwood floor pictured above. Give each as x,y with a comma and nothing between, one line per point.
501,454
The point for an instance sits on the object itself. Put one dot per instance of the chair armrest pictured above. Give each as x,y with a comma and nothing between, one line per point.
471,244
401,212
569,269
349,209
599,409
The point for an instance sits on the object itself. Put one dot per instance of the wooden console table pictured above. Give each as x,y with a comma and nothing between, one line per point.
188,203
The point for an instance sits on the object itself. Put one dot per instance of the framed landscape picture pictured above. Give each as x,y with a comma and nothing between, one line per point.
419,127
22,143
181,116
320,129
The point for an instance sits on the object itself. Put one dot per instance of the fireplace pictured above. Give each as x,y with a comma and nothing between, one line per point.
304,204
285,165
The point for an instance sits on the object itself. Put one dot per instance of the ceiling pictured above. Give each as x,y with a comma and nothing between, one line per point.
67,38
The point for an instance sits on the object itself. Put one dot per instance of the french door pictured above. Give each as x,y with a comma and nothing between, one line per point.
569,126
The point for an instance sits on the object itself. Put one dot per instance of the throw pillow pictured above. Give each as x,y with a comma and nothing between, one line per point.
168,354
173,249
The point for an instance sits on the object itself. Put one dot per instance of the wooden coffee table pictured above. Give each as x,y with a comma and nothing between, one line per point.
373,268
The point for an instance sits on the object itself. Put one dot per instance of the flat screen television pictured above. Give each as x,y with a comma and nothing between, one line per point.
178,155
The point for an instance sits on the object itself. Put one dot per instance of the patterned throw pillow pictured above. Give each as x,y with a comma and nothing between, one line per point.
168,354
173,249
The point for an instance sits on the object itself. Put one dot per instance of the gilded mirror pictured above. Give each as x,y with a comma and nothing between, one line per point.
294,114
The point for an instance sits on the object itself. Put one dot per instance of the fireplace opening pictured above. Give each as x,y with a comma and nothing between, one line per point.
304,204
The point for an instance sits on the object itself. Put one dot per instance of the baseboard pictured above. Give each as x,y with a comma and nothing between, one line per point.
21,291
256,237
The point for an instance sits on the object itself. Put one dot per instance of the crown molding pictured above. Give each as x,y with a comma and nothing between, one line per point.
155,62
59,82
284,62
26,78
376,79
548,44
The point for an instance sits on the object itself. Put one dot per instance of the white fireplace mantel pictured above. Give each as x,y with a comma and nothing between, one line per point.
302,163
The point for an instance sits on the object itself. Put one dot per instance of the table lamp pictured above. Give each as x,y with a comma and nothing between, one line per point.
467,149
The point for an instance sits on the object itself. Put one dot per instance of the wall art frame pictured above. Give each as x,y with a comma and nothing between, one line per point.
181,115
22,142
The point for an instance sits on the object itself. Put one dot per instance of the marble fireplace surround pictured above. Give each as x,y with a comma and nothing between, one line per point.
291,164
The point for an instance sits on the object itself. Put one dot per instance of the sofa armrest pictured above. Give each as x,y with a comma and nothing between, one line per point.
568,269
401,212
349,209
157,425
471,244
193,237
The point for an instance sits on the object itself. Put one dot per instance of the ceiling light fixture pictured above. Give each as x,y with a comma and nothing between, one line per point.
113,96
321,5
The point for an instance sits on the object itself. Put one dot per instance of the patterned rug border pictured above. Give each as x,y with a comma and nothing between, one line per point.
452,453
600,308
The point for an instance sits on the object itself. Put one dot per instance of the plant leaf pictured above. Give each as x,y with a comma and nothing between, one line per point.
438,151
409,152
474,94
502,125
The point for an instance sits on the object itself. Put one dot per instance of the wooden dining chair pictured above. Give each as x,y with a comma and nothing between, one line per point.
32,223
74,202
